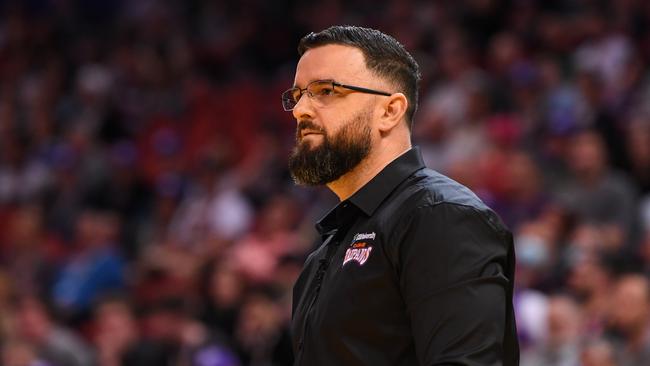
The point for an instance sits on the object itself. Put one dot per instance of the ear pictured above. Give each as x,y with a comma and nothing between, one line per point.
393,111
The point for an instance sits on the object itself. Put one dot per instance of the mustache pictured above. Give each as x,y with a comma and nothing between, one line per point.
308,125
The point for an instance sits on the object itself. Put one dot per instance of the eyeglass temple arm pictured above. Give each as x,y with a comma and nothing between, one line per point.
360,89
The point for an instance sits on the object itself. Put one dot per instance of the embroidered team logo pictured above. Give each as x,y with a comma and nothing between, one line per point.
359,251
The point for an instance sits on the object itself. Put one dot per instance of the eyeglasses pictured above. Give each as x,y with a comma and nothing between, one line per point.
321,92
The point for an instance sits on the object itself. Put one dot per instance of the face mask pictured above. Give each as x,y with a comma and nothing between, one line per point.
532,251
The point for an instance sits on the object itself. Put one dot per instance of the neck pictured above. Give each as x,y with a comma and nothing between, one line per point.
375,162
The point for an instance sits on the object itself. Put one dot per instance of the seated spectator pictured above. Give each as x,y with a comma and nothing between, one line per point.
172,337
214,209
262,335
523,197
51,342
591,280
222,290
115,332
94,269
562,345
257,255
629,319
598,352
20,353
597,194
29,255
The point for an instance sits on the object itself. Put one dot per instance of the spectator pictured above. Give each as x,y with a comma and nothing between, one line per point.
523,197
630,318
562,345
171,336
18,353
222,294
95,269
256,256
22,175
598,194
115,332
599,352
262,337
214,210
30,256
51,342
591,281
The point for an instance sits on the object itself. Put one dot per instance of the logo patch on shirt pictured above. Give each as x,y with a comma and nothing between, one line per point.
358,254
359,251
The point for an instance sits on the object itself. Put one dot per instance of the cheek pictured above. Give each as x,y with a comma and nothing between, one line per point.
334,120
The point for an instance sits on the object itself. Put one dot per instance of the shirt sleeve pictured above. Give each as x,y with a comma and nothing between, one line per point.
453,273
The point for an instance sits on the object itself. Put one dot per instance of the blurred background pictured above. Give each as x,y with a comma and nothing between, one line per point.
147,216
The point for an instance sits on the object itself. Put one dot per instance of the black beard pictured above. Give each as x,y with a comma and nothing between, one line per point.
334,156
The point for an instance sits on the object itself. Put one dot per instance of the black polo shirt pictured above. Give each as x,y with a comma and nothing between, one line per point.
413,270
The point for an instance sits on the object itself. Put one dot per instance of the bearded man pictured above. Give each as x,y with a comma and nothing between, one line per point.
413,268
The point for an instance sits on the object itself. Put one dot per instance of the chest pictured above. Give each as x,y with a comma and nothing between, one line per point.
358,293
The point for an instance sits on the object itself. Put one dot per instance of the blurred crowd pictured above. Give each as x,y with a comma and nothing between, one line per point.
147,216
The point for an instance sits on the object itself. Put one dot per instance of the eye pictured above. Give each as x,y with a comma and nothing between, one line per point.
322,89
327,90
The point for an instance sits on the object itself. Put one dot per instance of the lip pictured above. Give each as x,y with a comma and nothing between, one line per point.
307,133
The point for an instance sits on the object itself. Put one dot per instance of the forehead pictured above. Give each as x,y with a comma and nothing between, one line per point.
344,64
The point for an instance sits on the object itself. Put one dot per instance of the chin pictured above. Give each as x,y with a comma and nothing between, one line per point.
305,144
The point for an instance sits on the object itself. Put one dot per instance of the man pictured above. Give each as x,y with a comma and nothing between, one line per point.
629,319
414,269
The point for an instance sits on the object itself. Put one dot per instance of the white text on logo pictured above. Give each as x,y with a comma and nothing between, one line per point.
359,255
364,236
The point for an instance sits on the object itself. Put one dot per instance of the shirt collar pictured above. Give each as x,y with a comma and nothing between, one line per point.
373,193
368,197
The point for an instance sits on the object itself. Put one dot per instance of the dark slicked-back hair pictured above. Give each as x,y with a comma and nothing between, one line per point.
383,54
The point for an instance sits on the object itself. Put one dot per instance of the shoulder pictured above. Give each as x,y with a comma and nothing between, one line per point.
429,193
433,188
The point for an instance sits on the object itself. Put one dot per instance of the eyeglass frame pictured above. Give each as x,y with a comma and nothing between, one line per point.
334,84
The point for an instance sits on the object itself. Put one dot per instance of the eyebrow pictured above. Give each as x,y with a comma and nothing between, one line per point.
315,79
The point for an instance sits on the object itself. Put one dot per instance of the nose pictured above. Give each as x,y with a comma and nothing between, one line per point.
303,109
